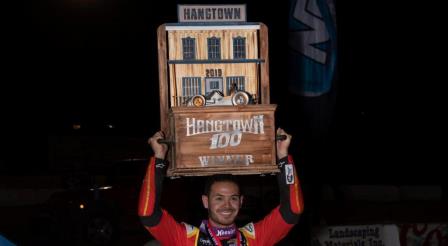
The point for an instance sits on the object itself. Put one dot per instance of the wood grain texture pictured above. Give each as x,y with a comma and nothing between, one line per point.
244,140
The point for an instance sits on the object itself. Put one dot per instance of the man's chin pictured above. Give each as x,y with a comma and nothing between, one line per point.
227,221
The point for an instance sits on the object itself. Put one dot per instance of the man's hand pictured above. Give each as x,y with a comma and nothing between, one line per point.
283,145
159,149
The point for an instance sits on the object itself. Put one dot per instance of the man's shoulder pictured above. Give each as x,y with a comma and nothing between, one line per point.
191,230
248,230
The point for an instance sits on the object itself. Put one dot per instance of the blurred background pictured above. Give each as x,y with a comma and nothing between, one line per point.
80,98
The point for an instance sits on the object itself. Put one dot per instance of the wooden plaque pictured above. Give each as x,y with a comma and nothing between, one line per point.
237,140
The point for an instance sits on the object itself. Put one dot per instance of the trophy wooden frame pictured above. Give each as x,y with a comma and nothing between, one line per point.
211,132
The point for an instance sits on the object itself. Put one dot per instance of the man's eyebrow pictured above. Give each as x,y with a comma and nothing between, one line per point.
219,194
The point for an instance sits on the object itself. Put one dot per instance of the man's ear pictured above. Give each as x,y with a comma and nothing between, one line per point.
241,200
205,201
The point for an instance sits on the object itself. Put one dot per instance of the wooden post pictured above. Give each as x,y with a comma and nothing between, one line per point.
163,77
264,55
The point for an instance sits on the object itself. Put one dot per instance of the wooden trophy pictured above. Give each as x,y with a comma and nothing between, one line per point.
214,93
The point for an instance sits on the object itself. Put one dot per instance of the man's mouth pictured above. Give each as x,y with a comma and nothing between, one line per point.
226,212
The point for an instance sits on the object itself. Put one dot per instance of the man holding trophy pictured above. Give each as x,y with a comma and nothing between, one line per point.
223,200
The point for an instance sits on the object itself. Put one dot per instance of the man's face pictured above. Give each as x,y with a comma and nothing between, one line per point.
223,203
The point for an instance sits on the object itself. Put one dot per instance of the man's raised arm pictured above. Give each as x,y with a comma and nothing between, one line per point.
291,199
149,208
155,219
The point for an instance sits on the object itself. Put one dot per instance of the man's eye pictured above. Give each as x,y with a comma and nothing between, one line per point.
235,198
218,198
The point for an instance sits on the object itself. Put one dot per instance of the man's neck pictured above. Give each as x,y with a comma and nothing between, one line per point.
223,231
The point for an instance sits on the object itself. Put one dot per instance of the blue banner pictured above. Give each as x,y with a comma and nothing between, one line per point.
312,46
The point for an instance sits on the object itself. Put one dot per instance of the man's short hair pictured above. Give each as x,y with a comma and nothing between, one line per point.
219,178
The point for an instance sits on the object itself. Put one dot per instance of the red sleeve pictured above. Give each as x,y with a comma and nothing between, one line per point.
276,225
148,191
149,208
155,219
271,228
168,231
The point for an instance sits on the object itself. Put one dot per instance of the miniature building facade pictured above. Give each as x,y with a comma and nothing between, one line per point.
204,59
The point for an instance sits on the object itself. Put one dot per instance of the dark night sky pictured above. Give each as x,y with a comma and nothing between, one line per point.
95,62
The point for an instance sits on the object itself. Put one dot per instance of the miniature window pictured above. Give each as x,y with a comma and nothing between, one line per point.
235,80
239,48
191,86
213,84
188,48
214,48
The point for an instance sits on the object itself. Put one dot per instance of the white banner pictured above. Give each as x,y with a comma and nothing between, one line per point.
211,13
356,235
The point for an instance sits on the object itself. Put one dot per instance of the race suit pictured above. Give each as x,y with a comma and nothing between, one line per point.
266,232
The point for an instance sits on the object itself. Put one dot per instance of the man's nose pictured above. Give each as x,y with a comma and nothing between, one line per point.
228,203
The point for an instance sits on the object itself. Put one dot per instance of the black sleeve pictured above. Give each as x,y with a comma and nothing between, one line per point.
150,211
291,200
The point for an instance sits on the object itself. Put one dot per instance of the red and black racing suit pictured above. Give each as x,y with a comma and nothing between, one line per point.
268,231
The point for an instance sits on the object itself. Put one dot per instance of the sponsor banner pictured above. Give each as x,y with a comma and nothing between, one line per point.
356,235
